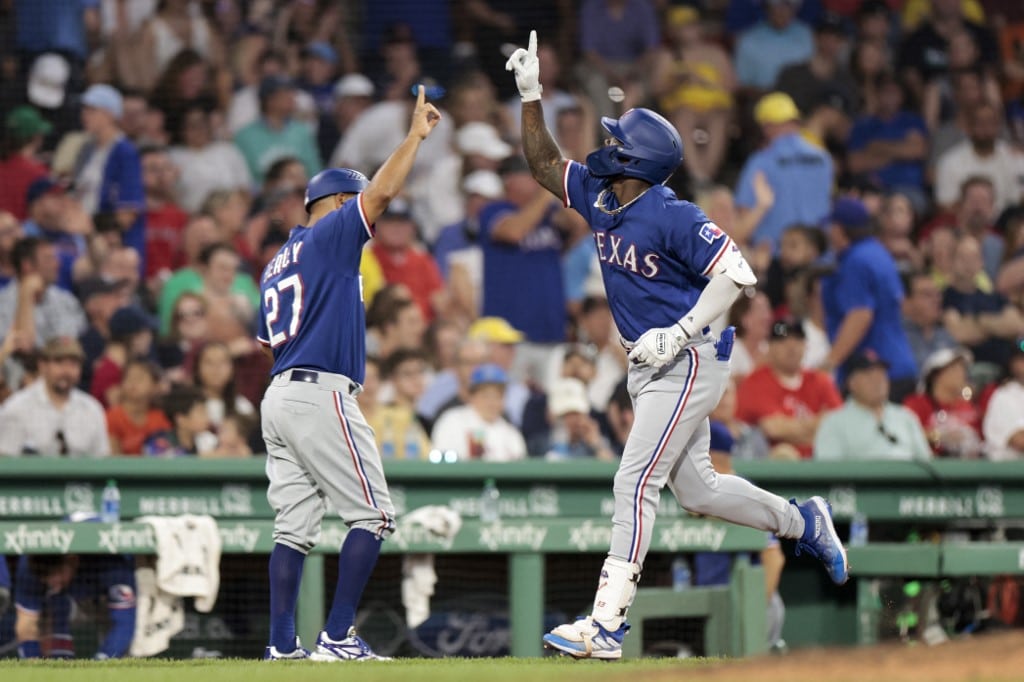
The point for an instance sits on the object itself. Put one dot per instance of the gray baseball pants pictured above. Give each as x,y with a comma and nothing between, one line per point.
669,444
321,454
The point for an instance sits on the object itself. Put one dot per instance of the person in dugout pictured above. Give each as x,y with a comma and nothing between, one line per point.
48,587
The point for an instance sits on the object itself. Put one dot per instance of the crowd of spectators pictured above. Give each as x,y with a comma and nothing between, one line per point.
865,154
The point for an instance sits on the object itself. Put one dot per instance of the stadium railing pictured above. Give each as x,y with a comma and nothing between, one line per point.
545,507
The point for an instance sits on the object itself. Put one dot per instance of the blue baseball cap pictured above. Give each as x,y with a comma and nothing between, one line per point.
850,214
488,374
322,50
41,187
131,320
105,97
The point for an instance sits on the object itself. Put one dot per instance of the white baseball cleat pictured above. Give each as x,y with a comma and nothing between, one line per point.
298,653
586,638
352,648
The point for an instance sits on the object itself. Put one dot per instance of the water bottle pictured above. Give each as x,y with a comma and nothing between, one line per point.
858,530
412,443
110,510
682,577
489,512
387,440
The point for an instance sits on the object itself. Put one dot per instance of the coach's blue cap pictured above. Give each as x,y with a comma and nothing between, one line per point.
850,213
488,374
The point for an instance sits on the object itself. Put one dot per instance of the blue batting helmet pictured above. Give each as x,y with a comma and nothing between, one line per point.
334,181
649,148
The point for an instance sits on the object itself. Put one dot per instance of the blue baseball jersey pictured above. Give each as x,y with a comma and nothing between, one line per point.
656,256
112,577
867,277
522,282
311,299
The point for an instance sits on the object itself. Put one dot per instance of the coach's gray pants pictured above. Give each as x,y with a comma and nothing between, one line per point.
320,452
669,443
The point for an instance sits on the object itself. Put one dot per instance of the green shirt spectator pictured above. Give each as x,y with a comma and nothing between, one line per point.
868,426
215,276
275,134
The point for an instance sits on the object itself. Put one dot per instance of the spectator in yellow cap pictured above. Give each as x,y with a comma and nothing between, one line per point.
502,341
694,80
799,173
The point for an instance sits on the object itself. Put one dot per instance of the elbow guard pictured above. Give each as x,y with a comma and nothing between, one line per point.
733,265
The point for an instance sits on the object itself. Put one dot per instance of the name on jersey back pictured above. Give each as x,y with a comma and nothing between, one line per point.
285,258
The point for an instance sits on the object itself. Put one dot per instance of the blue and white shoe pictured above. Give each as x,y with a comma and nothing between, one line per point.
352,648
297,654
820,539
586,638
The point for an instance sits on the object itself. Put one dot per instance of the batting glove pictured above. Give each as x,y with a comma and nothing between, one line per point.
526,66
659,346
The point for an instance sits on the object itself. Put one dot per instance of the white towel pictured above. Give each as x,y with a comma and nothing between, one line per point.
188,557
418,574
158,616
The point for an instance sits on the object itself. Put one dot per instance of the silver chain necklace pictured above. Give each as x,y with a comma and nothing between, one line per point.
599,202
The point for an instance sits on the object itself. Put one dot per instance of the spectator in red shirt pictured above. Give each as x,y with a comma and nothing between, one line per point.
951,419
165,219
24,129
781,398
403,261
132,332
135,418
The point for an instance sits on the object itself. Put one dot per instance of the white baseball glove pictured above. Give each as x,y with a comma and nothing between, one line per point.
659,346
526,66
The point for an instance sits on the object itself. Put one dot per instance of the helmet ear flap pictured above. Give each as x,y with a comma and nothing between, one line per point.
605,162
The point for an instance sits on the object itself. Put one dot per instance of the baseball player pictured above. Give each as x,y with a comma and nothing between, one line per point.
668,272
321,451
46,588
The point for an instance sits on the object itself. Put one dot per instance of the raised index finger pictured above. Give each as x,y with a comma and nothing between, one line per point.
421,96
532,47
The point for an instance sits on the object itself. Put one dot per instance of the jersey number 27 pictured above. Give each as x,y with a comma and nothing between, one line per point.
272,300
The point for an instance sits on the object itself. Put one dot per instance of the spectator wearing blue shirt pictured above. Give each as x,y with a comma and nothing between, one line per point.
772,44
863,299
743,14
799,173
49,220
618,40
108,178
55,26
522,279
892,143
481,187
984,321
319,62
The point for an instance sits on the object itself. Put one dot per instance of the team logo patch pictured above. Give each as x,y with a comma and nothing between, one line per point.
709,232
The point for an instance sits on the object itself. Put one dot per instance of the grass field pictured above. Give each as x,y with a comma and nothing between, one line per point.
410,670
988,658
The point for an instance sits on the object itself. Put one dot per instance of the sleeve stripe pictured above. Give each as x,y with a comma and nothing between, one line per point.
565,185
362,214
263,341
721,252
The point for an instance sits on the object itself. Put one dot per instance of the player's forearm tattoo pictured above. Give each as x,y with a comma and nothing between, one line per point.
542,153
